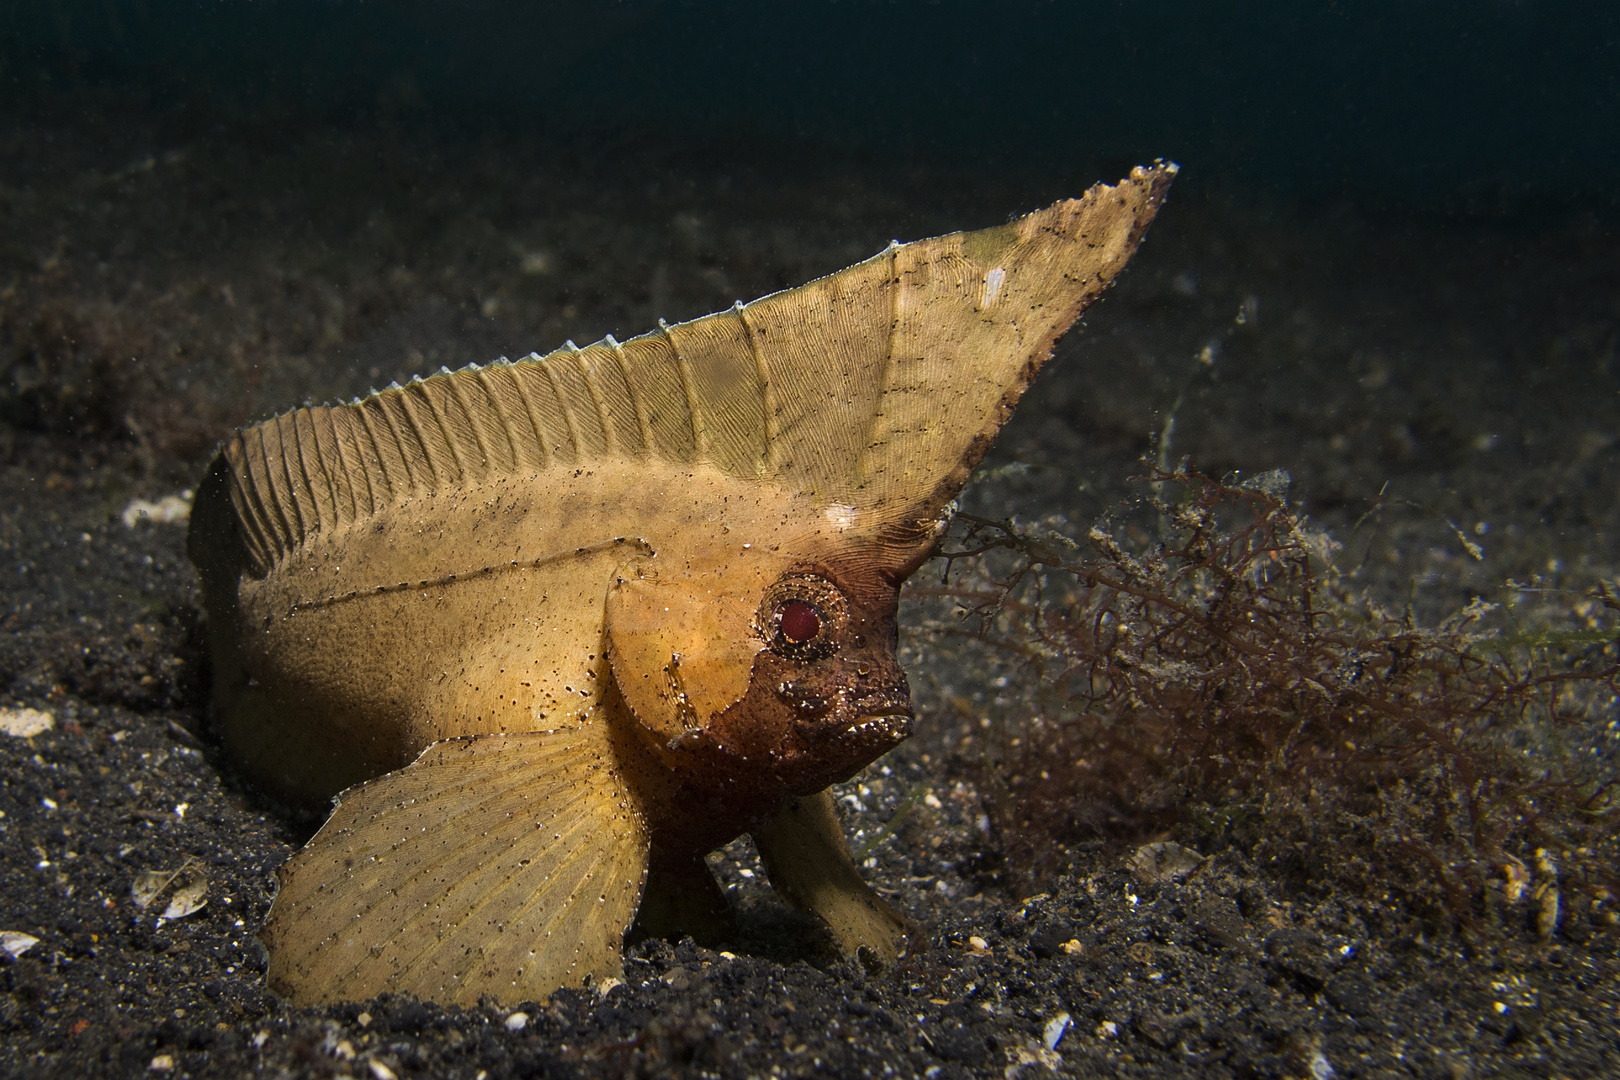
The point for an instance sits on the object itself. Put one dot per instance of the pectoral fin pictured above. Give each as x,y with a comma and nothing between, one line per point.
506,865
683,649
809,863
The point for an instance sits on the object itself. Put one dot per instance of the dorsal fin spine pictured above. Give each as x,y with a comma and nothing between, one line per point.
425,389
610,441
367,421
518,380
770,461
337,477
886,376
309,480
385,406
345,504
407,408
280,525
345,419
289,530
694,410
562,403
277,525
610,437
487,382
297,531
300,489
455,383
637,401
252,506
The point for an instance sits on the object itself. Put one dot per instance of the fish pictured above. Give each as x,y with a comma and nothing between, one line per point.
543,634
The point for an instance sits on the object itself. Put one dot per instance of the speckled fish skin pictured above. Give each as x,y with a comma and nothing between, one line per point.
545,625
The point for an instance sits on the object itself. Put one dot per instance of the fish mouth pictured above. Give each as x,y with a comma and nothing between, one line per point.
833,752
874,720
881,719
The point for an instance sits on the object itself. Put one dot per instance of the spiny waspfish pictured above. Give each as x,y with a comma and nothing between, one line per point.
553,630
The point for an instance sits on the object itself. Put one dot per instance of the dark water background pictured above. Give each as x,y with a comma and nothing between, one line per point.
1467,106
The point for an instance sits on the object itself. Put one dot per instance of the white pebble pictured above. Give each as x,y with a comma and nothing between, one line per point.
14,942
25,723
169,510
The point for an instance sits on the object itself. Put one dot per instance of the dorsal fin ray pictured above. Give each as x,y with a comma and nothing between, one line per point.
877,388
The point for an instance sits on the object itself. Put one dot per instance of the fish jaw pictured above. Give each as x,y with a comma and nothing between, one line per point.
891,725
882,719
877,730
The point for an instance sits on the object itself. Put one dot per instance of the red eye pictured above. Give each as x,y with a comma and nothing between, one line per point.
798,621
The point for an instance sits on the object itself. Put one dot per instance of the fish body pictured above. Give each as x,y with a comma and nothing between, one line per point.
554,629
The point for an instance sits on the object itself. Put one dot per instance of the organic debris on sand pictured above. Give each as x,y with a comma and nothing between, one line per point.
1224,682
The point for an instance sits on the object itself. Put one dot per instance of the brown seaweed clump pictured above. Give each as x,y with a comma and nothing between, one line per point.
1221,683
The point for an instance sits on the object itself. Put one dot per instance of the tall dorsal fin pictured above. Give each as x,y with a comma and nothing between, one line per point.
877,388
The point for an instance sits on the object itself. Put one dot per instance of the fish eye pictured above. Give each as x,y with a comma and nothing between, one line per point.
798,621
803,616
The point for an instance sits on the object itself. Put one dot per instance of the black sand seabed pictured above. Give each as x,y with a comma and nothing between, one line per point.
155,291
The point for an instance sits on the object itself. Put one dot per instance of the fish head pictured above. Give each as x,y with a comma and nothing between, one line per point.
778,670
827,695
